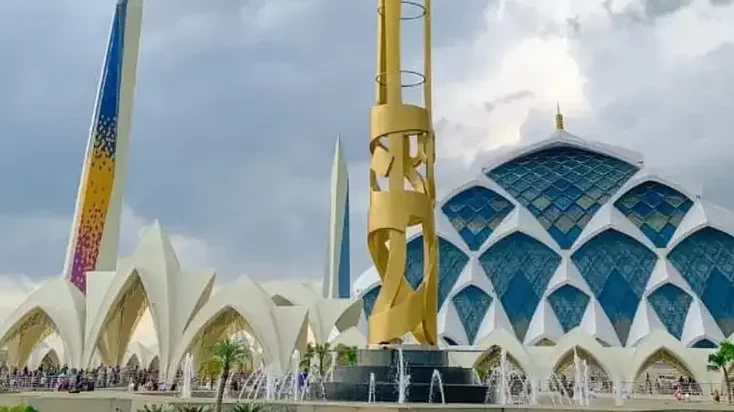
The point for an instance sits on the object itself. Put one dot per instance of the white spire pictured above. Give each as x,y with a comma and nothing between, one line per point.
337,279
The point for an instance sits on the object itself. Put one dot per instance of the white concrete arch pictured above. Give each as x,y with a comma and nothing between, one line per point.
506,340
57,306
604,357
150,278
278,329
323,314
661,342
131,361
154,364
50,350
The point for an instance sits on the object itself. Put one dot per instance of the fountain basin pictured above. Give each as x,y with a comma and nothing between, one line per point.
351,383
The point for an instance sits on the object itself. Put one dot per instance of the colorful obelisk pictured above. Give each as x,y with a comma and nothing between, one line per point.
95,229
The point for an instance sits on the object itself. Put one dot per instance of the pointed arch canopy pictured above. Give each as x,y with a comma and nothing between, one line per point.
57,306
245,305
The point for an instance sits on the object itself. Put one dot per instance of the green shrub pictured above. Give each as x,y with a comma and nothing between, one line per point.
18,408
191,408
153,408
248,407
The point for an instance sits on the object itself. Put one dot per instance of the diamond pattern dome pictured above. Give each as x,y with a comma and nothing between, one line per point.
451,261
563,187
563,184
617,268
475,213
706,261
671,304
569,305
471,303
656,209
519,268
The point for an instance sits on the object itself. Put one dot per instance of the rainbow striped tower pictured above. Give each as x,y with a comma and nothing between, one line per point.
95,230
337,279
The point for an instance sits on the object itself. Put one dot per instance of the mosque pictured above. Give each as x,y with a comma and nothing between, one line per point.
563,246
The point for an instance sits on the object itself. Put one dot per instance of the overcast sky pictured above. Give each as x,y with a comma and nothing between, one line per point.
238,103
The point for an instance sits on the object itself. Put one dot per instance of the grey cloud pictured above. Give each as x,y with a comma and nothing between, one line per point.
490,106
236,111
646,11
721,2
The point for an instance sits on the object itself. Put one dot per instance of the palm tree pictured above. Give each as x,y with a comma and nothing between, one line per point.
722,360
322,351
228,353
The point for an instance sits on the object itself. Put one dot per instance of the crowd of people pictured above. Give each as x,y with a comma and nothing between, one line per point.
77,380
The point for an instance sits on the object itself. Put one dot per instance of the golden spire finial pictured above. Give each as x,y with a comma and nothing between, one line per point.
559,117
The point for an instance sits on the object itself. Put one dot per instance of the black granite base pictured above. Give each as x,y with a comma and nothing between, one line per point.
352,383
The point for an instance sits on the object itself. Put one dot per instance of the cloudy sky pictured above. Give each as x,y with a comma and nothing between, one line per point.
238,103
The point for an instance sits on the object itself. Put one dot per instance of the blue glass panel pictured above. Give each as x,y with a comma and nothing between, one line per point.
563,187
451,261
671,304
475,213
569,305
519,268
656,209
704,344
617,268
368,300
472,304
706,261
345,277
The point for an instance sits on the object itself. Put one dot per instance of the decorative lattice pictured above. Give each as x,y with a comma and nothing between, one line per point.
451,261
471,304
671,304
563,187
475,213
656,209
519,268
617,268
569,305
706,261
368,300
704,344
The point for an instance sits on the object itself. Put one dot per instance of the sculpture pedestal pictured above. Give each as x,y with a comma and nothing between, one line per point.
352,383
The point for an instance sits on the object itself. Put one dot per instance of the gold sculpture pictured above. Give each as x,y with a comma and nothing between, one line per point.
402,188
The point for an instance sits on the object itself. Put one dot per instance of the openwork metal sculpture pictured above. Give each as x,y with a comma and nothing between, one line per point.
402,188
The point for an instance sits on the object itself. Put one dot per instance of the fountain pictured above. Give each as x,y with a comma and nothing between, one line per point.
188,372
403,374
296,373
436,379
578,395
371,390
402,377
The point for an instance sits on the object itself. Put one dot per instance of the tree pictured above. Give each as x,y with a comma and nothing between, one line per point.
228,354
722,360
323,351
307,358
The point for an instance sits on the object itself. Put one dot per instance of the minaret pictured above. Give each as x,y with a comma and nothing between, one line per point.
402,188
337,278
95,229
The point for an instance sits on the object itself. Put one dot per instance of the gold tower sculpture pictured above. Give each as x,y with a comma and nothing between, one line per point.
402,188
